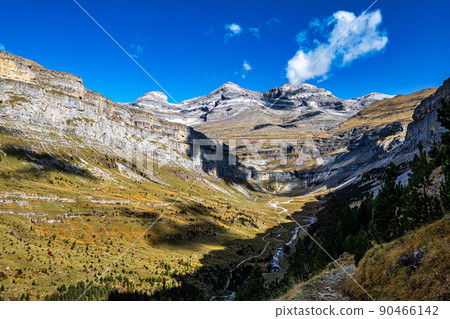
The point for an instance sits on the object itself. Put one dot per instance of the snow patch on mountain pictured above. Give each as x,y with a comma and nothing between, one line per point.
368,99
230,100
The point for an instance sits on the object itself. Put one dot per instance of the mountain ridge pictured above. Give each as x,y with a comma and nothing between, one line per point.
221,103
60,100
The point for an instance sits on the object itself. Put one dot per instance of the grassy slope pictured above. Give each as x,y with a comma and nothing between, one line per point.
413,267
51,249
398,109
388,271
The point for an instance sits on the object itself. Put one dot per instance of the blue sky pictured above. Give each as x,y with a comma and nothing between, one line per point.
193,47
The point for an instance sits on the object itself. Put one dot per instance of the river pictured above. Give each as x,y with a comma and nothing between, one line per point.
279,253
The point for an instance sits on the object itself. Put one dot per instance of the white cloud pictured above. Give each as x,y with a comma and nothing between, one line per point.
233,30
2,46
246,67
361,38
254,31
301,37
320,24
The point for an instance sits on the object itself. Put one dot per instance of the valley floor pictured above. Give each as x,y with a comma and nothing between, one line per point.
71,213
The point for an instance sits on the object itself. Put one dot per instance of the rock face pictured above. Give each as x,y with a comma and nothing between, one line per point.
425,128
222,103
32,95
384,132
155,96
344,139
304,95
155,102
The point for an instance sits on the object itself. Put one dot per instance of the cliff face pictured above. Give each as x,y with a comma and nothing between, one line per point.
33,95
303,95
425,128
341,146
19,69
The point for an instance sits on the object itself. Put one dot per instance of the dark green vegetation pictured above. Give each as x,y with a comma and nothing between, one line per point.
394,212
254,288
444,119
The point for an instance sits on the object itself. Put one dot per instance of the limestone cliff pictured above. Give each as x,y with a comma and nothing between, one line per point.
341,142
33,95
425,128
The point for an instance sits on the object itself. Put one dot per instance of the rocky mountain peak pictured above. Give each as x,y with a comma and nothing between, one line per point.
154,100
368,99
300,91
155,96
230,99
228,87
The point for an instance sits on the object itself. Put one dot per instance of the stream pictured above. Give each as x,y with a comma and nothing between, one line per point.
279,253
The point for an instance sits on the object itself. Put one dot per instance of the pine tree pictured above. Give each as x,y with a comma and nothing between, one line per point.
298,266
386,207
419,208
357,245
254,290
444,119
330,234
364,213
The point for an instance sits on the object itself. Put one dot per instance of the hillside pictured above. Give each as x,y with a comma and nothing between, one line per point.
68,211
413,267
398,109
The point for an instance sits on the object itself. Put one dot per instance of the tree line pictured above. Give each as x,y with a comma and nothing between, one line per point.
395,210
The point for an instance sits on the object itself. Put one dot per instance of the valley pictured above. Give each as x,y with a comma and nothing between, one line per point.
106,201
62,225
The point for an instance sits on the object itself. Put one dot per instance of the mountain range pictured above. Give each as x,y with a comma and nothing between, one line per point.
231,100
87,175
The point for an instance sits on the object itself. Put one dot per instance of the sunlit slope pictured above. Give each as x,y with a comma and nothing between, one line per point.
387,111
413,267
69,209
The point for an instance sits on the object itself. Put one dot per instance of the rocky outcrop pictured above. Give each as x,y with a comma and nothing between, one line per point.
303,95
425,127
25,71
